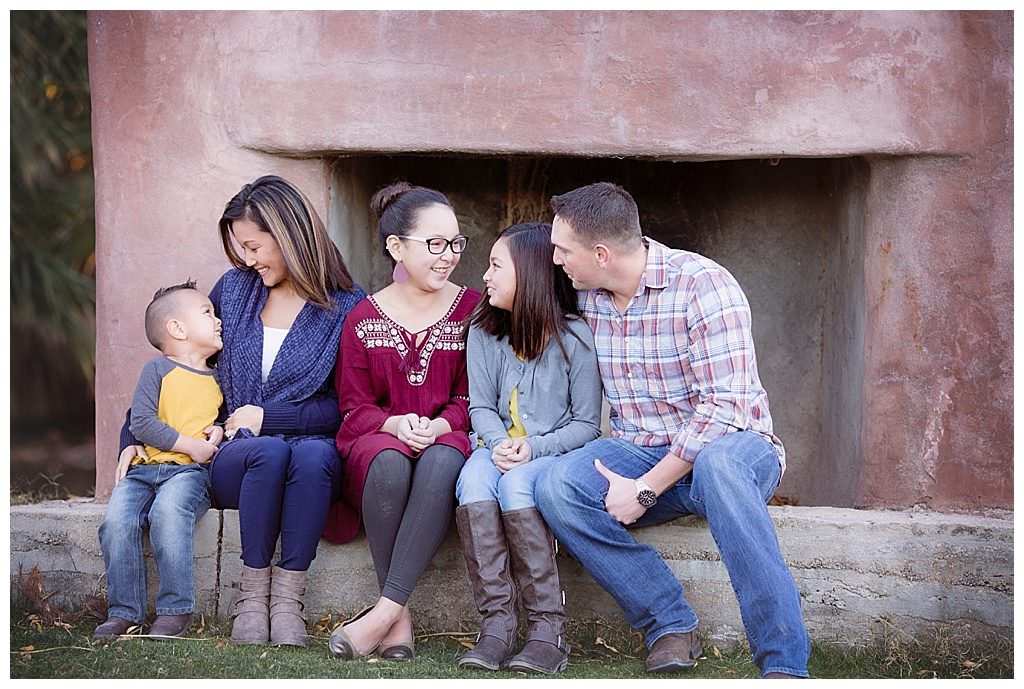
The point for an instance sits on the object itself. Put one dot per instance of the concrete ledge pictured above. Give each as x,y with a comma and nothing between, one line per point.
61,539
853,567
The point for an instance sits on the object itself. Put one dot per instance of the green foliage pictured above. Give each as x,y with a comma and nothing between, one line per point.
52,221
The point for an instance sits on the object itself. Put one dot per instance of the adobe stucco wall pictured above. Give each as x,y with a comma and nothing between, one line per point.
189,106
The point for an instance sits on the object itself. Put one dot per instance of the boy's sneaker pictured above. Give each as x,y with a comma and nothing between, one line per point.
111,629
171,625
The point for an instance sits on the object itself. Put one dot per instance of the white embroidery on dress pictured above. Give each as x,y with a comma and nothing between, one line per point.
383,332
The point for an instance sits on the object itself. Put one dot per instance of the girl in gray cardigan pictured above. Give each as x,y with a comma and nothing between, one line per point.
534,394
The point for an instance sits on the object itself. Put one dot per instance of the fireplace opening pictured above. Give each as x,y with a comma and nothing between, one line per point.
790,231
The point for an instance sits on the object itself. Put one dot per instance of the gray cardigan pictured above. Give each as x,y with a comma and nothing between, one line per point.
559,403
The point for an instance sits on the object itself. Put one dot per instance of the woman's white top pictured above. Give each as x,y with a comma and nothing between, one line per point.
273,338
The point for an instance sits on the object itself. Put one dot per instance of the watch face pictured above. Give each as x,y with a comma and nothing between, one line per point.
647,498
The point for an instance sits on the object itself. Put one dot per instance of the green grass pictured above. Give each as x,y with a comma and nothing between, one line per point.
52,652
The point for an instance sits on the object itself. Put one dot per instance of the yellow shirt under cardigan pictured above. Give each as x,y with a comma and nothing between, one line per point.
558,401
172,398
517,429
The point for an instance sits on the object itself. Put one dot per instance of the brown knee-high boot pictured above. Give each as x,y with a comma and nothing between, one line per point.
483,546
533,562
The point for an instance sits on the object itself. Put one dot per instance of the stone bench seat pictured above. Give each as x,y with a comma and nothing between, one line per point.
853,567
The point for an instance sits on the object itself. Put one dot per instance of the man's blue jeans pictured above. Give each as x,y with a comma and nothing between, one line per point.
170,498
481,480
732,479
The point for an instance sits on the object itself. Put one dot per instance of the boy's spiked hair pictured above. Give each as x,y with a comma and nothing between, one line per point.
161,308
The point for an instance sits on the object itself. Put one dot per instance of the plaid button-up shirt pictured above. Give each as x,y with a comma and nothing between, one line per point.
678,366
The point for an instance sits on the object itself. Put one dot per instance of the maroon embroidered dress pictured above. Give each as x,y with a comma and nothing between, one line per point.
382,372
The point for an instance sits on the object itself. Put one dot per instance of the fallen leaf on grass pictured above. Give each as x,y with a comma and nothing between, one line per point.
468,644
263,655
30,586
221,644
601,642
968,664
714,649
323,624
95,607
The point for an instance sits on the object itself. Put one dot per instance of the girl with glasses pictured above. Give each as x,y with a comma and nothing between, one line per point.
404,399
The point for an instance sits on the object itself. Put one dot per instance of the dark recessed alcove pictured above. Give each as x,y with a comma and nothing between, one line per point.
790,231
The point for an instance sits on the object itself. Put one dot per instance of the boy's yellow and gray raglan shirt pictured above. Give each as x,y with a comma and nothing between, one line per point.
172,398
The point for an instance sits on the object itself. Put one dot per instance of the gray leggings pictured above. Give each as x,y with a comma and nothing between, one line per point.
407,510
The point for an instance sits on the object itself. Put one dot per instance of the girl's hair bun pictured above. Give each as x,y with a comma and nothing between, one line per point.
386,196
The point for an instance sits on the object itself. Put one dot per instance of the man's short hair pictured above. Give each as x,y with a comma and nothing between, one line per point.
600,213
161,309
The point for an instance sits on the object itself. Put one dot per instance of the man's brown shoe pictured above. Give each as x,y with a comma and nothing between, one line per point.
112,629
170,625
674,652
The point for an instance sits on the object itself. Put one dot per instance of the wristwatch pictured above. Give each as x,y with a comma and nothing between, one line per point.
645,495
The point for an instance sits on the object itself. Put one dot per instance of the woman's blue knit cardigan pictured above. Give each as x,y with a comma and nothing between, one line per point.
300,384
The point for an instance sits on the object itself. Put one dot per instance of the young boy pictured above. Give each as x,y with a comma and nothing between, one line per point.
174,408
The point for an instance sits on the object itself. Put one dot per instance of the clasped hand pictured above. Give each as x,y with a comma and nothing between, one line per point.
418,432
510,453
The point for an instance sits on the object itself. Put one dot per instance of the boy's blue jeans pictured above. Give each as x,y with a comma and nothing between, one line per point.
481,480
170,498
732,479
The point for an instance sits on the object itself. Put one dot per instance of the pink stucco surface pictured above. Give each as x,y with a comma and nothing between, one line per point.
189,106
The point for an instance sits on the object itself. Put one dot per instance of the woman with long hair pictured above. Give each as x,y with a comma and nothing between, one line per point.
281,308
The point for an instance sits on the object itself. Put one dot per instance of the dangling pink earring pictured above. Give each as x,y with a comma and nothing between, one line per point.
399,274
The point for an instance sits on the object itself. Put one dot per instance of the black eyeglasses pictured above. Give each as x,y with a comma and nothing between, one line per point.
437,245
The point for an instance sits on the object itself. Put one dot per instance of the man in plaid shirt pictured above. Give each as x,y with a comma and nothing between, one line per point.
691,434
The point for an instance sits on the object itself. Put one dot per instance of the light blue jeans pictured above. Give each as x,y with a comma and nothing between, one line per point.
170,498
732,479
481,480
